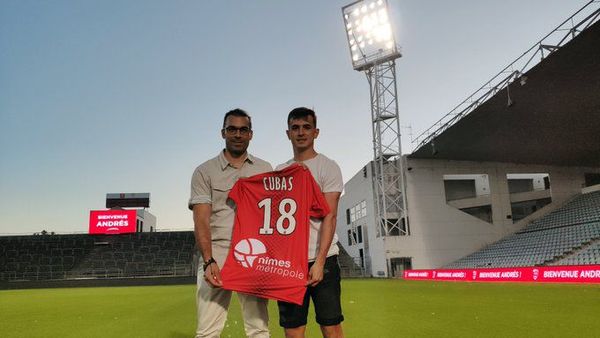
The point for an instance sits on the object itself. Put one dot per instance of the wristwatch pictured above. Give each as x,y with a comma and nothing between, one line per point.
208,262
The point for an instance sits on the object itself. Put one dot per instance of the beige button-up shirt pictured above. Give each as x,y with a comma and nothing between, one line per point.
211,183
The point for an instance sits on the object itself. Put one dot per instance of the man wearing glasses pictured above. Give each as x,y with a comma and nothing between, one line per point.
213,223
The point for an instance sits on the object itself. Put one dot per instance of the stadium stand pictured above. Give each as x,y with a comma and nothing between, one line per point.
589,254
568,235
52,257
149,254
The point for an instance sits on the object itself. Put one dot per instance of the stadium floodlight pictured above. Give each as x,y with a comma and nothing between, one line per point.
369,32
373,51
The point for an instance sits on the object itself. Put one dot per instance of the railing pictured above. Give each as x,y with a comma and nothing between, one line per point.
352,267
575,24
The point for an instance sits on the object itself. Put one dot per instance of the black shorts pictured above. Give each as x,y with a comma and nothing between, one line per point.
325,296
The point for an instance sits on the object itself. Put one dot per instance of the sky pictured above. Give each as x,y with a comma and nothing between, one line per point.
102,97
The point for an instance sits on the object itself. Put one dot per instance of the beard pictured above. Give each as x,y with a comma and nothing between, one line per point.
236,150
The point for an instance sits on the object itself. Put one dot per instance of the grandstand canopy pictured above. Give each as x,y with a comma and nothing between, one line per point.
554,118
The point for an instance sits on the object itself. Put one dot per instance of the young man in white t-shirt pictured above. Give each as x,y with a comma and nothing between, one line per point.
324,271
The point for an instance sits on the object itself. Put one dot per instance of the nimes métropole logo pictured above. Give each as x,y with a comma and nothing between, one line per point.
249,251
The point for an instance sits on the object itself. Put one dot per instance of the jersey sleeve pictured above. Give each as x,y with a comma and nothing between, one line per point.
235,194
319,207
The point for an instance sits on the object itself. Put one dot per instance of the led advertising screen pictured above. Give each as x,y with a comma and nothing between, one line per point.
530,274
112,222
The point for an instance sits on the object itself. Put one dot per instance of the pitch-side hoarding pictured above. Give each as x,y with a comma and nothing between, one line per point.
534,274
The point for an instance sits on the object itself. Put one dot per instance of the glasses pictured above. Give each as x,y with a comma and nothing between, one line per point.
232,131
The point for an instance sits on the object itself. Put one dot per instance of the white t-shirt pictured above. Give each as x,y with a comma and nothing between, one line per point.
329,178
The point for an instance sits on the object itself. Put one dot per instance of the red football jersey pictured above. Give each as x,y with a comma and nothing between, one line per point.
269,246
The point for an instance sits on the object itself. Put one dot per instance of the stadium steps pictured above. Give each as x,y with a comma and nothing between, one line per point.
573,258
567,253
348,266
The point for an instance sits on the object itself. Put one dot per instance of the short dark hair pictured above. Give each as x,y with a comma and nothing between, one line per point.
301,113
240,113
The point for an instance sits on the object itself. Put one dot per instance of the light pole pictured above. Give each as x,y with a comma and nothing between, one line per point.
373,50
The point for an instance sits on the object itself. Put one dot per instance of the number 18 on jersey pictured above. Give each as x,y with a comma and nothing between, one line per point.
269,246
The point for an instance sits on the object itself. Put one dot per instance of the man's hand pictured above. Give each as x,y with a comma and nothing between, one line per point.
212,276
315,274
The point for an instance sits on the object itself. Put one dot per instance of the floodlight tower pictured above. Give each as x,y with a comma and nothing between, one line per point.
373,50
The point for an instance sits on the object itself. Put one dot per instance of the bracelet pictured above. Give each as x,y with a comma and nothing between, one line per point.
208,262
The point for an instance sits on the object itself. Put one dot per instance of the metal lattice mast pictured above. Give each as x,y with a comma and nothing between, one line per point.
373,50
388,173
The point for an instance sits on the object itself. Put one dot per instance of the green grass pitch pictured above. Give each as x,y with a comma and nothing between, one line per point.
373,308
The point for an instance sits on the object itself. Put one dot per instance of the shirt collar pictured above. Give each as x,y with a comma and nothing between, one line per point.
224,163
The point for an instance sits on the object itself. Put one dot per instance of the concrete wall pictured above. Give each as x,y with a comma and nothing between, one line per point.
360,188
350,198
537,180
480,181
148,220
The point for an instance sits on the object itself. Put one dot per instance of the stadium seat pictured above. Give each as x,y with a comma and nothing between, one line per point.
545,240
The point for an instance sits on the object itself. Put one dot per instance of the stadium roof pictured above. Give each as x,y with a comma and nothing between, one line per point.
554,117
